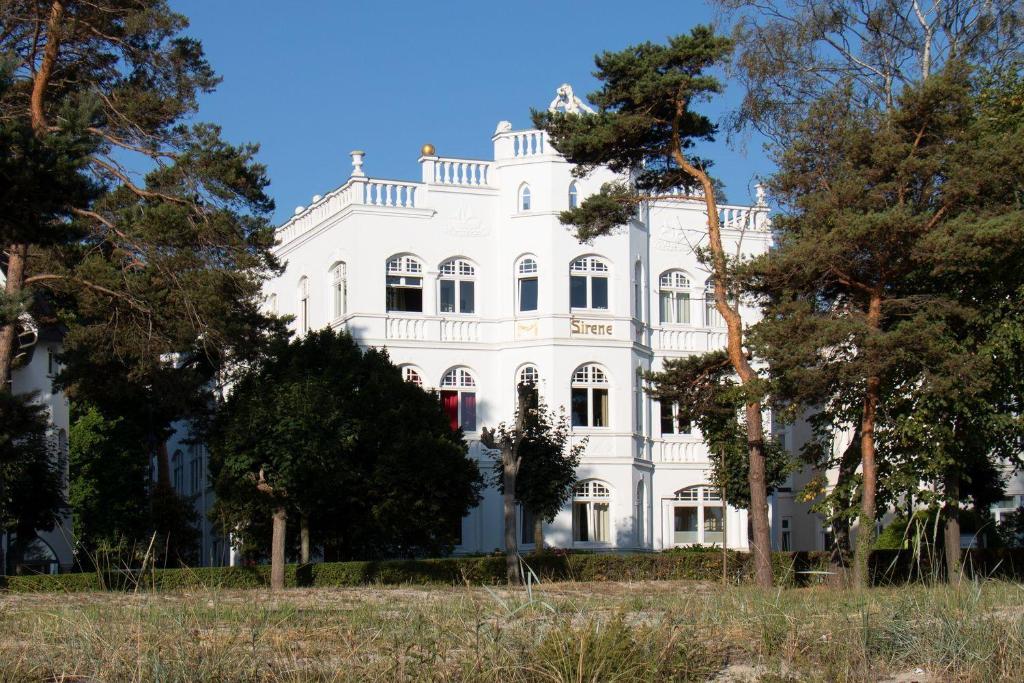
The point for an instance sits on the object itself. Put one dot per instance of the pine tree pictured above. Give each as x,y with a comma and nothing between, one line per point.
646,128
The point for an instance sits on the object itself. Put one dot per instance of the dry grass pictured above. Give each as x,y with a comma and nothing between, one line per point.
651,631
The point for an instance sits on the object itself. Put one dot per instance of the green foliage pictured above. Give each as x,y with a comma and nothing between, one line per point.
32,495
547,472
341,439
109,477
707,395
644,124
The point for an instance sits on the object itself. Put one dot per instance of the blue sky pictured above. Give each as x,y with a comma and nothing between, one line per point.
311,80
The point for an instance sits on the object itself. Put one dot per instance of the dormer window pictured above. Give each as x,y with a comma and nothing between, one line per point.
524,198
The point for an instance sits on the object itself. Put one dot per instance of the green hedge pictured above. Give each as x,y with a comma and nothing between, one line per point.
705,565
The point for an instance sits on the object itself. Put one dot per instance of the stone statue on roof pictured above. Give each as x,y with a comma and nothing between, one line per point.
566,100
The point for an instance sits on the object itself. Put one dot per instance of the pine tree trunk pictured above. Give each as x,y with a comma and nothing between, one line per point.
538,534
509,501
304,539
18,255
761,543
952,530
761,530
280,519
869,466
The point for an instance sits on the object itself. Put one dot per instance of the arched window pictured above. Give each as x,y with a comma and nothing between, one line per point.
303,305
272,304
591,514
339,291
524,198
588,283
458,398
589,397
457,287
638,401
405,284
712,318
674,297
574,195
412,375
697,516
526,284
639,521
530,377
671,423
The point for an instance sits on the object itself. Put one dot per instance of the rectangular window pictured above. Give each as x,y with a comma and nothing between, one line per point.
526,532
713,527
685,525
682,307
602,527
447,302
468,411
579,407
599,292
666,307
600,408
580,522
466,297
450,405
405,294
577,291
667,418
339,299
527,294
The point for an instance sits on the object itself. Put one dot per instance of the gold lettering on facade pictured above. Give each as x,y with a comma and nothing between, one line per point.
589,329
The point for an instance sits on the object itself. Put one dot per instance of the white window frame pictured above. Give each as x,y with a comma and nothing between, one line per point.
462,381
412,375
527,269
701,497
591,268
404,272
574,195
339,290
677,285
712,318
594,498
524,199
303,316
591,378
677,429
457,271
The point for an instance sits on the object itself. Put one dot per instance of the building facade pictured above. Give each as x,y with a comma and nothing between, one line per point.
470,281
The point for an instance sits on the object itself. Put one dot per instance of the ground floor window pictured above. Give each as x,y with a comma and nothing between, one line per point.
786,538
591,513
527,521
458,398
698,517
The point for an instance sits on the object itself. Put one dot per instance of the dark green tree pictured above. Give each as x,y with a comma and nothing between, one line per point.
31,473
898,249
647,127
328,433
547,470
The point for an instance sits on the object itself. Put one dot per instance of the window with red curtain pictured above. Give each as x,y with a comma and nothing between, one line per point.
450,404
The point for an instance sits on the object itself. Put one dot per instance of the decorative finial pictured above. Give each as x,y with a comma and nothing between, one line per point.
357,163
317,198
299,209
761,194
566,100
503,127
428,150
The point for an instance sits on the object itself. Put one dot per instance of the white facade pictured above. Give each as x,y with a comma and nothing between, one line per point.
35,368
502,287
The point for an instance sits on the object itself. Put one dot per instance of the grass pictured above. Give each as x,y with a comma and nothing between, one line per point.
643,631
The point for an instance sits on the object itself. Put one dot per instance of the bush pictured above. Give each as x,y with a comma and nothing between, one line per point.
550,566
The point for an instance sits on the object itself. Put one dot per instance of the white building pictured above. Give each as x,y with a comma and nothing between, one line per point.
36,366
472,284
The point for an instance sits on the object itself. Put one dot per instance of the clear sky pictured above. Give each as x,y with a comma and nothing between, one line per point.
311,80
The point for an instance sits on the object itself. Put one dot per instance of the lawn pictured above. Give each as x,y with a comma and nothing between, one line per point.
642,631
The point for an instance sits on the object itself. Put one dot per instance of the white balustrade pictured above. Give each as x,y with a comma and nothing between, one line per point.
462,172
391,193
406,328
460,330
681,451
528,143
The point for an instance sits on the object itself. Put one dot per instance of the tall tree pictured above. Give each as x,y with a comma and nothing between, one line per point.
647,127
180,236
323,432
879,206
